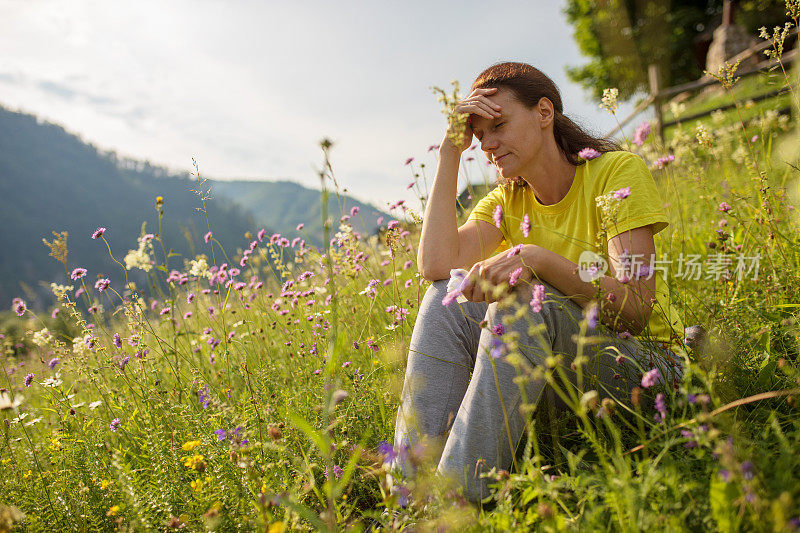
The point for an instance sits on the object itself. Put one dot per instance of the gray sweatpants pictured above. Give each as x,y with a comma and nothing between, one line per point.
461,395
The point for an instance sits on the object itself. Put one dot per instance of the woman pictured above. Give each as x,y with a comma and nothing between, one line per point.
459,387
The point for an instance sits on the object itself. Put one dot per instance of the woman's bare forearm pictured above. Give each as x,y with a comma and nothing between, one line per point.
438,243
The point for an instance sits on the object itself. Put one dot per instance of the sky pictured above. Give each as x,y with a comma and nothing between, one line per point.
248,88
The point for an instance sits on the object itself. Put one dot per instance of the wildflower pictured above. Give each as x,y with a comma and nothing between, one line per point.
661,407
392,224
98,233
662,162
190,445
609,101
198,266
187,315
588,154
42,337
195,462
748,470
387,451
102,284
704,137
28,379
78,273
724,207
641,133
207,237
513,278
537,298
592,315
525,226
53,362
239,285
623,193
115,423
498,329
346,364
409,160
165,311
515,250
220,433
498,215
299,227
354,211
650,378
18,304
497,349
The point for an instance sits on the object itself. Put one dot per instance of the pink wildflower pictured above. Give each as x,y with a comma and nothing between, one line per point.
498,215
589,154
622,193
641,133
526,225
650,378
537,298
102,284
514,277
724,207
207,236
515,250
78,273
98,233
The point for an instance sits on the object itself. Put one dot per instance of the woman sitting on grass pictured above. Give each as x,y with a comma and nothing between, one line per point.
545,215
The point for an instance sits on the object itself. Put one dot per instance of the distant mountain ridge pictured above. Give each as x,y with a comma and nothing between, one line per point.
51,180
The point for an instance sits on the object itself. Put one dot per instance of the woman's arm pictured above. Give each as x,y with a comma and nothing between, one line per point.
442,245
628,309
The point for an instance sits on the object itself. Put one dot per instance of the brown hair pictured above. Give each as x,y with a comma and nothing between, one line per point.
530,85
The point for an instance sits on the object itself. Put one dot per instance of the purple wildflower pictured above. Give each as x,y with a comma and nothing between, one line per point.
498,348
641,133
190,298
592,315
117,340
748,470
207,237
650,378
53,362
498,329
102,284
537,298
497,216
662,162
724,207
387,451
515,250
525,226
98,233
622,193
78,273
661,407
28,379
588,154
165,311
115,423
725,475
513,278
220,433
18,304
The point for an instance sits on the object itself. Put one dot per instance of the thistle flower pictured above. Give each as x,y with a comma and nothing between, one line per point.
77,273
588,154
98,233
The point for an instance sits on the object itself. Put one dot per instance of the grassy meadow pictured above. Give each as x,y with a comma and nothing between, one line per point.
256,389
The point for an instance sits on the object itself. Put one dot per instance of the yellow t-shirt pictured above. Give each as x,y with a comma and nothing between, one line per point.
571,226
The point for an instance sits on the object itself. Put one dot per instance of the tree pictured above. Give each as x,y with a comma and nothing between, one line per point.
621,37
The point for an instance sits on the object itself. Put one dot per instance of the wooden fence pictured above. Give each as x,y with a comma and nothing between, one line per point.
658,97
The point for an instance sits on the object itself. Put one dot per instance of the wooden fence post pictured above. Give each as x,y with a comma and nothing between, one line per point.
655,88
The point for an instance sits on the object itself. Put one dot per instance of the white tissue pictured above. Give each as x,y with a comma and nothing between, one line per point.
457,278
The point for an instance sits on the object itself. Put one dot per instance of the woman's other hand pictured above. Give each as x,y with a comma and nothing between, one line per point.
477,103
509,269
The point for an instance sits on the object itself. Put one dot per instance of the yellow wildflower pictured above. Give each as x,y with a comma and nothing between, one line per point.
196,485
113,510
194,462
190,445
277,527
27,474
103,483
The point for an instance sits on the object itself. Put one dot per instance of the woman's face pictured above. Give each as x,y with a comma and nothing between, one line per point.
512,141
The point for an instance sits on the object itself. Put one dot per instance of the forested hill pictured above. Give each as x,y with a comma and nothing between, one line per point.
282,205
51,180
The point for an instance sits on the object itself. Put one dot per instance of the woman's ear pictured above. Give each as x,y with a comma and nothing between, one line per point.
546,110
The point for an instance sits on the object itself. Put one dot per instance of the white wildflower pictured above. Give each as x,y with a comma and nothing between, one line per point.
95,405
42,337
677,109
60,290
704,136
52,381
610,99
198,266
7,403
